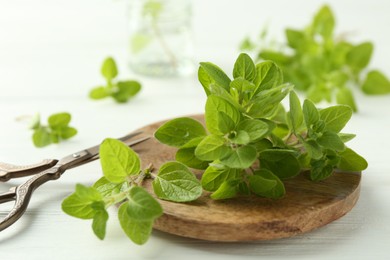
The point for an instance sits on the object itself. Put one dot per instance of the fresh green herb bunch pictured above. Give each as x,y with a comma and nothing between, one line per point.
121,91
323,65
122,184
251,144
57,129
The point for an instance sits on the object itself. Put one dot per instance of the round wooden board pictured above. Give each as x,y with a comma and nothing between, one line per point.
307,205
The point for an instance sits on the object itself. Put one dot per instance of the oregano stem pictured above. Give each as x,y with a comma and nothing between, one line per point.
163,43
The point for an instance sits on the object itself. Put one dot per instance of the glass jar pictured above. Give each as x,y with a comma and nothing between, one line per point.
161,37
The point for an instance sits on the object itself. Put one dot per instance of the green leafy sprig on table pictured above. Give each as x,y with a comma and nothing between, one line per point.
121,91
323,65
57,129
122,184
251,143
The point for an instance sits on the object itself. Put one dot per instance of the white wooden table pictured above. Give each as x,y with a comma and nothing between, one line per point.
50,55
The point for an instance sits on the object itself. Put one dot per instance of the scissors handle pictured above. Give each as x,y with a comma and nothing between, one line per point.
22,194
10,171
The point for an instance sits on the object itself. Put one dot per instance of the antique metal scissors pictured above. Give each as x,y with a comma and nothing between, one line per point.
47,170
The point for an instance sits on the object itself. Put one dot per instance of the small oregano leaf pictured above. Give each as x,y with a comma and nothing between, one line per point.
244,67
214,176
99,223
141,205
179,131
296,114
118,160
186,155
59,120
211,148
175,182
138,231
216,74
216,105
79,203
282,163
240,158
336,117
109,69
228,189
351,161
376,83
359,56
276,192
310,113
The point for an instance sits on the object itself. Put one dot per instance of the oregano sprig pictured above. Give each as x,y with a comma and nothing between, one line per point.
251,144
322,64
121,91
122,184
56,130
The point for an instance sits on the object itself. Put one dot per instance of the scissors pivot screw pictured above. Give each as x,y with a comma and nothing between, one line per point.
76,155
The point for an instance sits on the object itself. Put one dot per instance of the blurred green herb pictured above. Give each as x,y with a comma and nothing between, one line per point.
57,129
121,91
322,65
122,184
252,144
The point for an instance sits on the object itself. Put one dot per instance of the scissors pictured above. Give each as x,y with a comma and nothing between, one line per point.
47,170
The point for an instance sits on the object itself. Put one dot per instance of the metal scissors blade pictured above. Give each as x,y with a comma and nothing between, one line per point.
22,194
9,171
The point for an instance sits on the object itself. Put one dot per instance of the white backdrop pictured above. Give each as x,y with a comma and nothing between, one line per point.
50,56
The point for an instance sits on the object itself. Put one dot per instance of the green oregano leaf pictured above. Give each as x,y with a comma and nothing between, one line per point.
324,22
351,161
344,97
215,175
58,129
41,137
216,74
260,185
175,182
138,231
109,69
214,106
282,163
240,137
256,129
99,93
376,83
336,117
120,91
107,188
310,113
227,190
186,154
99,223
321,172
277,191
268,75
359,56
79,204
244,67
141,205
331,140
59,120
179,131
313,149
118,160
211,148
296,114
241,157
